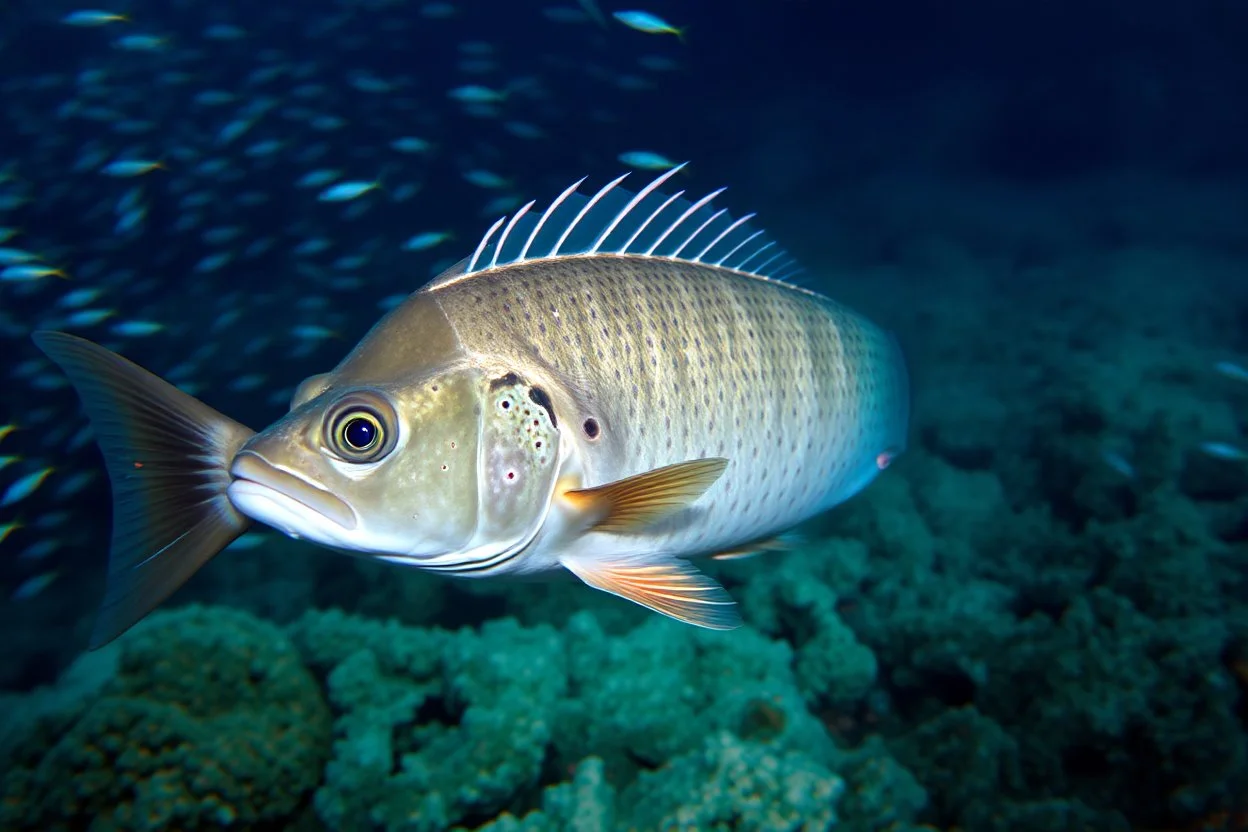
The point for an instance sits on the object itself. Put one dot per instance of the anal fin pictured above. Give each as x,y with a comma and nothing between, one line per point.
631,504
667,585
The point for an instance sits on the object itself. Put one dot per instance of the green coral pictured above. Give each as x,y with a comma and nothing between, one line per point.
438,728
433,726
212,720
586,804
656,692
729,785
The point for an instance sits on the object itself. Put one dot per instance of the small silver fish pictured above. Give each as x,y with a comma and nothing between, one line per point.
1224,450
611,388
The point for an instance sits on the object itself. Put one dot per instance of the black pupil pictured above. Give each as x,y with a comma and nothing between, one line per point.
360,433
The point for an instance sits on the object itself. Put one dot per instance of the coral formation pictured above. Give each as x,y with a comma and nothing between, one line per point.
211,721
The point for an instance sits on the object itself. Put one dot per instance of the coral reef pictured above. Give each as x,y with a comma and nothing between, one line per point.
210,721
520,707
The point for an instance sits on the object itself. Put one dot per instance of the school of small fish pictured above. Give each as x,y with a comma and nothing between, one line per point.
232,193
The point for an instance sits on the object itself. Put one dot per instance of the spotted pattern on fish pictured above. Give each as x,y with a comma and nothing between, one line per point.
680,361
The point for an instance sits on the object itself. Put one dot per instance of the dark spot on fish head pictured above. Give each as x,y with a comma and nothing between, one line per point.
506,380
542,400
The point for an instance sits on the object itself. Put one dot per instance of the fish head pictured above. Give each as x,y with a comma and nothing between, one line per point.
453,465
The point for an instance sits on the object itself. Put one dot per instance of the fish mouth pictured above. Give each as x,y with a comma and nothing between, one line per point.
255,476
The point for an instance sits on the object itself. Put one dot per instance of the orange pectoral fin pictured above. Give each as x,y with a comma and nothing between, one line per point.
667,585
633,503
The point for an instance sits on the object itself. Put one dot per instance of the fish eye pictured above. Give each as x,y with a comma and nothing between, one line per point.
361,433
358,431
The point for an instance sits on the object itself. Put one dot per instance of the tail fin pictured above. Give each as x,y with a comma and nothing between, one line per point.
168,456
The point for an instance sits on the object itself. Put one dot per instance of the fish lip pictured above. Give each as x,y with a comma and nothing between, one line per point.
251,467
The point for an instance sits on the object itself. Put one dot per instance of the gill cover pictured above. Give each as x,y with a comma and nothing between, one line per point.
518,462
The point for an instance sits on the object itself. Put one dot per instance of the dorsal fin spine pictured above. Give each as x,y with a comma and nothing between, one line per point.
476,255
580,215
737,247
689,212
741,266
699,230
550,209
502,241
624,248
632,203
735,225
762,267
580,225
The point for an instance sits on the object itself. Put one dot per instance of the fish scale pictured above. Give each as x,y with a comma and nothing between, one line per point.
684,361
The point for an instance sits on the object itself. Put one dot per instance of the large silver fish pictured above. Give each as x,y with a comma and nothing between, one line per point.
610,388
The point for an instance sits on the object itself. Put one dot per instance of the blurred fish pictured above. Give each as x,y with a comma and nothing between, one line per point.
131,167
1232,370
136,329
647,160
141,43
16,257
426,240
318,178
1224,450
347,191
24,487
485,179
649,23
477,94
521,415
7,529
93,17
411,144
29,271
33,586
1118,463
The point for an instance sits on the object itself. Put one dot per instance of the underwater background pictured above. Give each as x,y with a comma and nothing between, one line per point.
1036,619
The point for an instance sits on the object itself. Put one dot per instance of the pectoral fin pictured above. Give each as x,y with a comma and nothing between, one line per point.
635,502
667,585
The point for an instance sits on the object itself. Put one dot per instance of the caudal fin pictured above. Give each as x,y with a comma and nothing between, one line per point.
168,456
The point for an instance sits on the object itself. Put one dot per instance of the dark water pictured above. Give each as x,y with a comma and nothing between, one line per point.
1034,620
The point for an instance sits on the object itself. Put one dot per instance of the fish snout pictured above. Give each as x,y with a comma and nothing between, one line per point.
257,481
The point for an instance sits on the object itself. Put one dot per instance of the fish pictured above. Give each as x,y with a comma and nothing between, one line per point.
646,160
426,240
16,257
125,168
7,529
1231,370
33,586
29,271
137,329
93,17
477,94
613,388
649,23
24,487
141,43
1225,451
347,191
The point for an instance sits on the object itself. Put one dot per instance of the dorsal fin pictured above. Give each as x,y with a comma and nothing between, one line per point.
615,221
